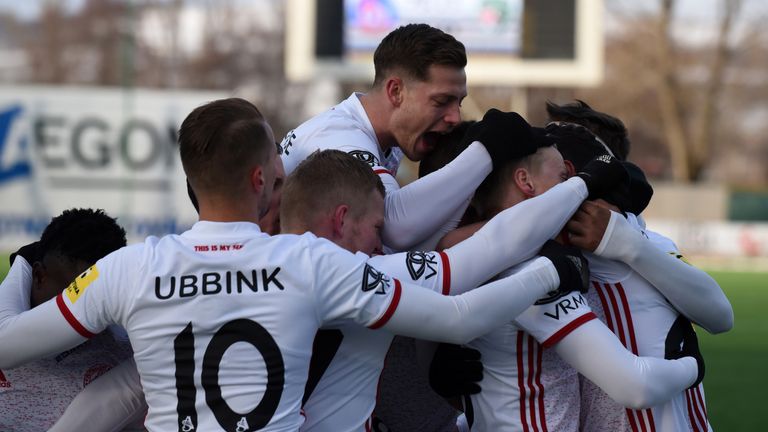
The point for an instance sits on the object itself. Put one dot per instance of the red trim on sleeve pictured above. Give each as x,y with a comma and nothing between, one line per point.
390,310
381,171
446,273
71,318
565,331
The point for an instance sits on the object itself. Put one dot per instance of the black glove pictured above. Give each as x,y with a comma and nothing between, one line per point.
571,266
603,174
682,342
30,252
505,135
455,371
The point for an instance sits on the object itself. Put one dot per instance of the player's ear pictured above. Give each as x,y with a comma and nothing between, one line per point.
394,88
524,182
339,217
257,179
570,168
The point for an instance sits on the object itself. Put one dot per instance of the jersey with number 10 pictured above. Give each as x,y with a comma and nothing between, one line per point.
221,319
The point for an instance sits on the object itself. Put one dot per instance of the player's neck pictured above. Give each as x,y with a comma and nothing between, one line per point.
378,115
217,211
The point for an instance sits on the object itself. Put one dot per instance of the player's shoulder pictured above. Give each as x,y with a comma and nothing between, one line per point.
661,241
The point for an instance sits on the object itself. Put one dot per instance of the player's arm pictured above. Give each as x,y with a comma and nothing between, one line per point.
109,403
349,289
690,290
513,236
78,313
498,244
15,289
433,241
425,314
418,210
34,334
635,382
29,334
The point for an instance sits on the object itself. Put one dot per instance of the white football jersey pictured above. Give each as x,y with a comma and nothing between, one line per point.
344,127
526,386
641,318
33,396
222,317
347,362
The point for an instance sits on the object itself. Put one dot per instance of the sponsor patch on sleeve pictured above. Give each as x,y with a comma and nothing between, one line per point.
365,156
420,264
680,257
374,280
76,288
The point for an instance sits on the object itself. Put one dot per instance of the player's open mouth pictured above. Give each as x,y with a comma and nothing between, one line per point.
430,140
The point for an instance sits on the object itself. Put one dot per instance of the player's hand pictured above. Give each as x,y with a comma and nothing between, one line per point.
455,371
587,226
30,252
501,133
603,174
571,266
682,342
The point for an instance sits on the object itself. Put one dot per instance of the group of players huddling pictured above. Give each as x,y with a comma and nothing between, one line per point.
523,245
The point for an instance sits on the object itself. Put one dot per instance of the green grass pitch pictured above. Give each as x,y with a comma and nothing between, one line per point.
735,379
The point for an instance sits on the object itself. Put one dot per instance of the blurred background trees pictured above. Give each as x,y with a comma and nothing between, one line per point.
691,85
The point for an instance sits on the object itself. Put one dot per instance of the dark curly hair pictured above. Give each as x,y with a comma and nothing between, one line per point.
609,128
83,235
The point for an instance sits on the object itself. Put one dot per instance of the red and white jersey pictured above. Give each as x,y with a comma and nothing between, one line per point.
641,317
221,319
344,127
33,396
343,387
526,386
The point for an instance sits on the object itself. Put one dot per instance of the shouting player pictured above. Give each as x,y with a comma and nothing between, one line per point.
417,91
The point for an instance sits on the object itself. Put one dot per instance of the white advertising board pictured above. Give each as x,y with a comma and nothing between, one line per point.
108,148
715,238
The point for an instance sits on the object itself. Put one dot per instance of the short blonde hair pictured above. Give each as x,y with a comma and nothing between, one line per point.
323,181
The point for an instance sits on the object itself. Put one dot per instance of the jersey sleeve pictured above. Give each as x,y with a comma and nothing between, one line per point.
347,288
95,298
635,382
16,288
429,270
550,322
691,291
513,236
419,209
425,314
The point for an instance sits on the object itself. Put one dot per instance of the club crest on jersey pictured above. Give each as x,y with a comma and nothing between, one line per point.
374,280
366,157
418,263
76,288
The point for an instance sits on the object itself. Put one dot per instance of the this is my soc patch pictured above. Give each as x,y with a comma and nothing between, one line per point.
76,288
